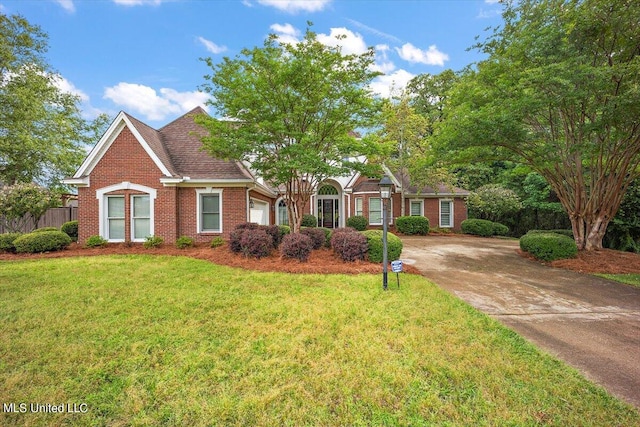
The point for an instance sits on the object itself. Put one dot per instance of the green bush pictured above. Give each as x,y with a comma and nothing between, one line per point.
548,246
374,244
217,242
327,236
568,233
43,229
95,242
6,242
71,228
478,227
500,229
184,242
284,230
309,221
413,225
359,222
42,241
152,242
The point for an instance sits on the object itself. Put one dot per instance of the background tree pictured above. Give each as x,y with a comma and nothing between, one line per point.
42,132
559,92
294,110
493,202
22,205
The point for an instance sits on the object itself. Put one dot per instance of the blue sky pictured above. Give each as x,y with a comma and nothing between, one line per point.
143,56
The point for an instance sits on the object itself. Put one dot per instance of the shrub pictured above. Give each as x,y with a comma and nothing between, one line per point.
548,246
95,242
327,236
411,225
43,229
43,241
274,232
374,244
184,242
6,242
297,246
217,242
234,240
478,227
568,233
500,229
71,228
317,236
359,222
255,243
152,242
309,221
284,230
247,226
349,245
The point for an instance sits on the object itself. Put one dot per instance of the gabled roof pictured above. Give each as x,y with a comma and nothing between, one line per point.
440,189
176,149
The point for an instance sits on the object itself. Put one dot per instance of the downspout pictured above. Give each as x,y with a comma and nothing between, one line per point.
247,203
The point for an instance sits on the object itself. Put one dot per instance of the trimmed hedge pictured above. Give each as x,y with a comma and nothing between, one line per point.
71,228
374,244
6,242
42,241
483,227
549,246
568,233
359,222
309,221
297,246
411,225
43,229
317,236
95,242
349,244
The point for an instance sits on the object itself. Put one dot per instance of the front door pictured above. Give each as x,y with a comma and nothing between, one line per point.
327,213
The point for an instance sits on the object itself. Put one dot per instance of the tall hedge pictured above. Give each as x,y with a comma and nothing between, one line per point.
413,225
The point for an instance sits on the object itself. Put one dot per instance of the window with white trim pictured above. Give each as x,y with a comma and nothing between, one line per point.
415,207
115,218
375,210
359,206
283,213
140,217
209,211
446,213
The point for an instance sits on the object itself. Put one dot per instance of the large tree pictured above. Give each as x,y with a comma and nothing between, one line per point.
290,110
42,132
560,91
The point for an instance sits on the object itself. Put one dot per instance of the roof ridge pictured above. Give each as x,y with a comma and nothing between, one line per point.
196,110
158,146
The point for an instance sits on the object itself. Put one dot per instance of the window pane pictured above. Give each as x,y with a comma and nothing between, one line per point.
142,228
210,221
116,229
115,207
415,208
445,214
283,214
211,204
359,206
141,207
375,211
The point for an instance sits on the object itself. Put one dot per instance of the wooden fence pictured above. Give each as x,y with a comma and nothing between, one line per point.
53,217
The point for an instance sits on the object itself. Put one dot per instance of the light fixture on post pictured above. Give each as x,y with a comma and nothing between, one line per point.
385,195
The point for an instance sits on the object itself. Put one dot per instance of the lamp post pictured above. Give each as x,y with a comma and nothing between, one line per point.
385,195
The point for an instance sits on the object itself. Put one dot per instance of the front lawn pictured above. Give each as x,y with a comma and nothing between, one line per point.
629,279
156,340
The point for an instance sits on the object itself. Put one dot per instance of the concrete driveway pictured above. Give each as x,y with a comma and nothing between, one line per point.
590,323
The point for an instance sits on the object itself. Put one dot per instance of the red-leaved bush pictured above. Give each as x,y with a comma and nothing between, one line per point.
317,236
349,245
297,246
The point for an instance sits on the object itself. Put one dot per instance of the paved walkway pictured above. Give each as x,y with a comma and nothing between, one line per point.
590,323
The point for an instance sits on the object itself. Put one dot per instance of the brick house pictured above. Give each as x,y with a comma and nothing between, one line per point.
138,181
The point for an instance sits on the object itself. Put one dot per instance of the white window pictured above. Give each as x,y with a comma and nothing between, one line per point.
446,213
375,211
416,207
115,218
140,217
209,211
283,213
359,206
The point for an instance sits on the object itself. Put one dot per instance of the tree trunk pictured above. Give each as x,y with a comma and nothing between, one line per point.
589,234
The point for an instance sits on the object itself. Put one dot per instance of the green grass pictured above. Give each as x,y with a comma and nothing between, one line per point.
629,279
144,340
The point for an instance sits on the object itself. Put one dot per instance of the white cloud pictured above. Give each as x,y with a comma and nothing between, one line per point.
294,6
432,56
144,100
286,33
138,2
67,5
66,86
374,31
383,63
492,1
385,86
211,46
352,43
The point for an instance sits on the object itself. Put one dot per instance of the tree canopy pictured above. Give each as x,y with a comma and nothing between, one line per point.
291,111
42,132
560,91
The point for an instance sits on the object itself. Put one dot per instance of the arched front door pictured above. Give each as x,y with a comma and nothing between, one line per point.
328,206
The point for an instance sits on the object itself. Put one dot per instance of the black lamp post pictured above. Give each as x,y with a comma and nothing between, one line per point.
385,195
